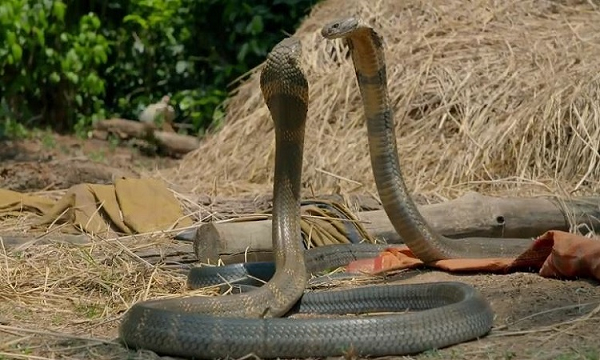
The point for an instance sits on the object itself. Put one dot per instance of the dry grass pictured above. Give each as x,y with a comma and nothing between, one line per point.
66,301
56,294
503,94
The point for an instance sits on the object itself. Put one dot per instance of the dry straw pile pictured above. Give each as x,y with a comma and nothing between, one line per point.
489,96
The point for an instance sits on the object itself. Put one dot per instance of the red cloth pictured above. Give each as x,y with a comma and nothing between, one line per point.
555,254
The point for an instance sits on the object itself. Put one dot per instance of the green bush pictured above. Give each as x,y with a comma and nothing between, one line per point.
68,63
50,73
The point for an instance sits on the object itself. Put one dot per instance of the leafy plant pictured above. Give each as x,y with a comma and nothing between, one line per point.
49,69
61,65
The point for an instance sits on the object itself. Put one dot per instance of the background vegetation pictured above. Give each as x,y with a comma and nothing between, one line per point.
67,63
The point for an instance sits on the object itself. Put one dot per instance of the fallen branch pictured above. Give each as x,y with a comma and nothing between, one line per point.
468,216
170,142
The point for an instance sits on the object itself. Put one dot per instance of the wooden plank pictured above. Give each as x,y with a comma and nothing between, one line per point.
467,216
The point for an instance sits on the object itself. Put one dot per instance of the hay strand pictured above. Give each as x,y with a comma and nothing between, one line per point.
503,94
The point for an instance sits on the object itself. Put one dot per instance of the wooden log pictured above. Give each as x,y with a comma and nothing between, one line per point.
124,128
467,216
173,143
233,242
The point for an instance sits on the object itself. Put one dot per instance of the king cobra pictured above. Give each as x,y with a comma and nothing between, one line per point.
441,314
366,49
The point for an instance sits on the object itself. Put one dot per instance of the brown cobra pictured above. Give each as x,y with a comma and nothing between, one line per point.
441,314
366,49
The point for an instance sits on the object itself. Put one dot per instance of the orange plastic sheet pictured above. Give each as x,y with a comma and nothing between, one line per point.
554,254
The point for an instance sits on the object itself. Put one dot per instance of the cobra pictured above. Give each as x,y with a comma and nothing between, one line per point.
366,49
446,313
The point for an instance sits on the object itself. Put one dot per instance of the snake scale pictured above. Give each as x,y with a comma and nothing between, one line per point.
250,323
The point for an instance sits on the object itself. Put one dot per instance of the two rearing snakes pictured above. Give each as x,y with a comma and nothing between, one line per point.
236,325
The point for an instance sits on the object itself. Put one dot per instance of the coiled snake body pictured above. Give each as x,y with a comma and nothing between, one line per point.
237,325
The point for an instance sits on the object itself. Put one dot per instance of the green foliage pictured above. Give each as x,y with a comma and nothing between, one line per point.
50,67
61,65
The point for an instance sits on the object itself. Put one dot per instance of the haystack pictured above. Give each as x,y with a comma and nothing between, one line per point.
491,96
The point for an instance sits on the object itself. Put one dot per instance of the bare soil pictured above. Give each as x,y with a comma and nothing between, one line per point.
62,302
52,162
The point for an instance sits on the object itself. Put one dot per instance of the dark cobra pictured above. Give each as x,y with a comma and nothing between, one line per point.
366,49
317,259
441,314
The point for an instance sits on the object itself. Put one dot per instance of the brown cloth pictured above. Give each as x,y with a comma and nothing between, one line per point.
129,206
554,254
13,203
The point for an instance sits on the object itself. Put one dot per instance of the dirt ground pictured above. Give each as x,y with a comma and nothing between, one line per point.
62,302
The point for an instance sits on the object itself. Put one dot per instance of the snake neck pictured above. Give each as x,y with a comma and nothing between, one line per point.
286,200
288,109
366,47
369,60
285,90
